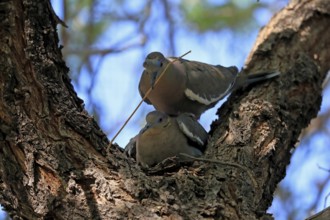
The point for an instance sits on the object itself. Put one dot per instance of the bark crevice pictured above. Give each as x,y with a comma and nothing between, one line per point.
53,158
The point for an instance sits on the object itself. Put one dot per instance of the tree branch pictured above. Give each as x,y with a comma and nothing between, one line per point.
52,158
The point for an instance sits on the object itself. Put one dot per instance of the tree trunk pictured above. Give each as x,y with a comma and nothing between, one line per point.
53,158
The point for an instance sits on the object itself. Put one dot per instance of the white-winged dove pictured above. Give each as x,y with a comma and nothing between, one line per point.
190,86
165,136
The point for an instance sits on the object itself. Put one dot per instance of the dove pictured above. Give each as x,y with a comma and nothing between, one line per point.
190,86
167,136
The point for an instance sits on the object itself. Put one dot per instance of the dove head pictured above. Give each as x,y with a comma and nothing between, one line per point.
154,61
156,122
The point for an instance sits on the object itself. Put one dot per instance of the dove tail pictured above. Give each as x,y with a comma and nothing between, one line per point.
253,78
245,80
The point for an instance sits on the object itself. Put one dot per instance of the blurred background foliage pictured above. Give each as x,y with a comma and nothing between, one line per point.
234,15
105,45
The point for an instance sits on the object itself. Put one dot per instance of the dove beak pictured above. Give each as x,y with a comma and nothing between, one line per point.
145,128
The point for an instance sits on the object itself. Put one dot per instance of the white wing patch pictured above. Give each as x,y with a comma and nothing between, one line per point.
190,134
195,97
276,73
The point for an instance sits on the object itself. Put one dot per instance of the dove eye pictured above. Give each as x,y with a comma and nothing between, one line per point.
161,64
160,119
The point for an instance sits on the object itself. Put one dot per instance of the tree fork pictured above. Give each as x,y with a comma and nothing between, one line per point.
53,162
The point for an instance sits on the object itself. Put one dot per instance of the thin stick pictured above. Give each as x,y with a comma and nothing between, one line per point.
254,182
145,96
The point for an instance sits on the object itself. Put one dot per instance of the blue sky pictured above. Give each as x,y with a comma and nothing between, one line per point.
225,48
116,92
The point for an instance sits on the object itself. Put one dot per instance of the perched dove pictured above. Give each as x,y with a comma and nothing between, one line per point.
165,136
190,86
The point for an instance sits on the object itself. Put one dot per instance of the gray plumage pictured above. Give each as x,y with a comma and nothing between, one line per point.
165,136
190,86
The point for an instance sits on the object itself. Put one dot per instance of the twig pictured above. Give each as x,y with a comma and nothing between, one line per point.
145,96
254,182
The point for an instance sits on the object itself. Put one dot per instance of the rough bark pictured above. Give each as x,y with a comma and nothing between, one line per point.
53,162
